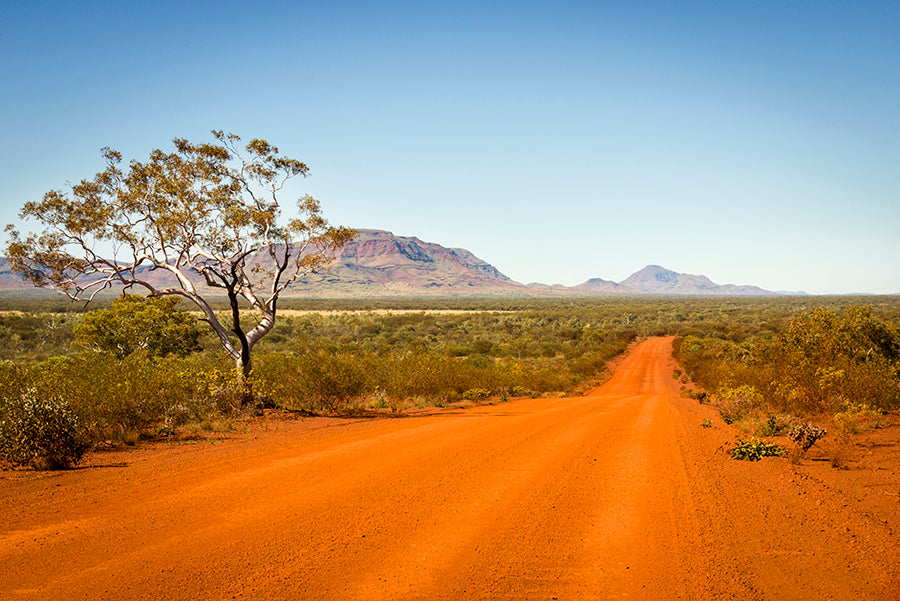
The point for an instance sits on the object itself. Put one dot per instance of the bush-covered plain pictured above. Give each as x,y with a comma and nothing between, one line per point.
322,362
755,357
838,363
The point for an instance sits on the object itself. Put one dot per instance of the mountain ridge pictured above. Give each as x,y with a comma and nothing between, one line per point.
378,263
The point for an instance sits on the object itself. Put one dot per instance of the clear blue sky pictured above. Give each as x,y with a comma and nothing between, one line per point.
755,143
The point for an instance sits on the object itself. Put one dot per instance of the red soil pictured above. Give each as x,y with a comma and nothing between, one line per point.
618,494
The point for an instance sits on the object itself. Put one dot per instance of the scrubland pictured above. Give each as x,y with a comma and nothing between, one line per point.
764,363
827,369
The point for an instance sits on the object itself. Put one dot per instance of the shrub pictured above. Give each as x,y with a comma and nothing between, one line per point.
805,435
854,417
40,431
220,390
755,449
775,425
475,394
736,403
109,395
137,323
841,452
321,380
805,363
14,378
701,396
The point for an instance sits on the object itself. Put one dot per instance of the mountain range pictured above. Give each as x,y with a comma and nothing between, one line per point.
380,264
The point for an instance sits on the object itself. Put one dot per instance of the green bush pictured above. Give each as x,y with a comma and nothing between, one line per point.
754,450
137,323
476,394
15,378
319,380
110,395
40,431
331,378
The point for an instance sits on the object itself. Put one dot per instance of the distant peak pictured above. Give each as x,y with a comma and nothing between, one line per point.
655,269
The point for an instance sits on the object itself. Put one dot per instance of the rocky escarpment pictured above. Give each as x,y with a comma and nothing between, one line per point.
379,263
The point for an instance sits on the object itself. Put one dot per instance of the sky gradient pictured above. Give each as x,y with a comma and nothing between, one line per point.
754,144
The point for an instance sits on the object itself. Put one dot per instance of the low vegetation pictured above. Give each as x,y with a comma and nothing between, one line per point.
754,450
137,323
40,431
837,366
763,363
820,361
138,367
805,435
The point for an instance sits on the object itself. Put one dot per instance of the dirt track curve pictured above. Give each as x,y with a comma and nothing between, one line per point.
616,495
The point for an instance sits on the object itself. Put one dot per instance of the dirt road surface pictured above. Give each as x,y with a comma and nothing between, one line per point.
620,494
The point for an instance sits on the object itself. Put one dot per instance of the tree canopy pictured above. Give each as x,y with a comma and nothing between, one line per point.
204,217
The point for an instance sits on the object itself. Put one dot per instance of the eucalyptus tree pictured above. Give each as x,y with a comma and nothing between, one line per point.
197,222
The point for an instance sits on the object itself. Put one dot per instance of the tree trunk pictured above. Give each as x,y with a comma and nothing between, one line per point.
243,368
243,364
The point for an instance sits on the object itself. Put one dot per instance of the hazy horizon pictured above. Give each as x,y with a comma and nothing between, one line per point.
755,145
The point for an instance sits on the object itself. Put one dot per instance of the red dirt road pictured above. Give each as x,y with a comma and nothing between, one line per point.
616,495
